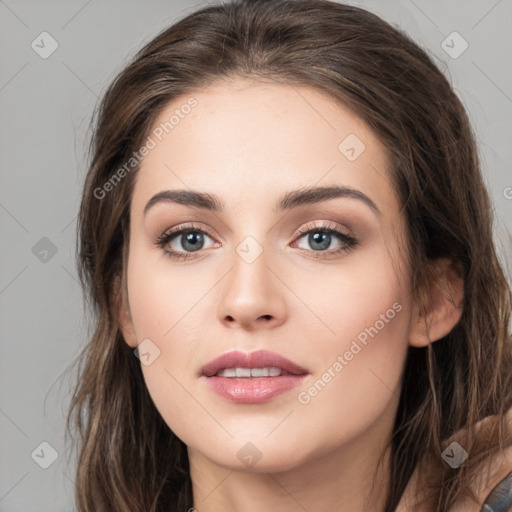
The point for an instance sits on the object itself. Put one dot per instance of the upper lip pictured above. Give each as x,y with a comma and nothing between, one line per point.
258,359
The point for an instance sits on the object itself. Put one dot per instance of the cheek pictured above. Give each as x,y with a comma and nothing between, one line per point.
167,309
163,297
359,376
362,298
361,356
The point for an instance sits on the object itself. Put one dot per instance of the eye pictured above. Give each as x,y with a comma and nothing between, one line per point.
181,242
188,237
320,238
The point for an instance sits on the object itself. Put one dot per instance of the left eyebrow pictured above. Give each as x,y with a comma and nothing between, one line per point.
290,200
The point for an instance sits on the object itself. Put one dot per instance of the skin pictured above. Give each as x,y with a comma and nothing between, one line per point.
491,472
248,143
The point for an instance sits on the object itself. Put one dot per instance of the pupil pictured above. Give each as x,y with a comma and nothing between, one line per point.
320,238
194,239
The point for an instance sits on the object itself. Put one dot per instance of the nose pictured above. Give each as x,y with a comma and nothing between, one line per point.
252,296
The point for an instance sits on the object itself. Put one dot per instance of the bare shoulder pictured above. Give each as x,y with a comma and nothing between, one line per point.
492,486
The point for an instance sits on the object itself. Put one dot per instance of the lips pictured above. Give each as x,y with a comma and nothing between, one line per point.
252,378
258,359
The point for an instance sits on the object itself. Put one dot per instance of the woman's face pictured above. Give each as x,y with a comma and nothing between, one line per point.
259,272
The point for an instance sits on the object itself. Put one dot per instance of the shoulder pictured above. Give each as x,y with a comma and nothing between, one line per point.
492,485
500,498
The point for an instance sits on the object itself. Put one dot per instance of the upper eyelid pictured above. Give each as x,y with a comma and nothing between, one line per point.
324,224
348,240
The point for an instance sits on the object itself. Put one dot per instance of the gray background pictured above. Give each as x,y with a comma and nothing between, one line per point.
46,105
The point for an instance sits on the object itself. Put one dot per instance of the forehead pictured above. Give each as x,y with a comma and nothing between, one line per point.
249,142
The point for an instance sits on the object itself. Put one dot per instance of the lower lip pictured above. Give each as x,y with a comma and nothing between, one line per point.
253,390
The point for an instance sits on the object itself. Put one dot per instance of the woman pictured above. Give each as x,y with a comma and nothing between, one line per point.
287,242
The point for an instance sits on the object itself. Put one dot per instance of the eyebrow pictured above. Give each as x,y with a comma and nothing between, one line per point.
290,200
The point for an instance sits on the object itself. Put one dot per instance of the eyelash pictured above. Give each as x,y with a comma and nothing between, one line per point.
349,242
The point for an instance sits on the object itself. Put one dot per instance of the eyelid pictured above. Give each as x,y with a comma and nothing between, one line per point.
301,231
325,225
349,242
192,226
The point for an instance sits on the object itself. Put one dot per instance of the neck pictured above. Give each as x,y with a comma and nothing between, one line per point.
346,479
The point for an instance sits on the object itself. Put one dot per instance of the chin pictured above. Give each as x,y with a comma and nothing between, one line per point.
255,457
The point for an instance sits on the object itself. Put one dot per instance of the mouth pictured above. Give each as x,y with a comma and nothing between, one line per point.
261,363
252,378
249,373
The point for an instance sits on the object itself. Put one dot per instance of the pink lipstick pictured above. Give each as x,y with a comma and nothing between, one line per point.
252,378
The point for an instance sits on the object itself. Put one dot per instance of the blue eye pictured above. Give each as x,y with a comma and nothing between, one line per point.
191,239
320,238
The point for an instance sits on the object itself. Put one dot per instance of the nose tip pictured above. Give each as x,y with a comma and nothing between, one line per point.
251,295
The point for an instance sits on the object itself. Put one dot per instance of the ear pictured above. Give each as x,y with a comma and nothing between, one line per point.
444,307
124,318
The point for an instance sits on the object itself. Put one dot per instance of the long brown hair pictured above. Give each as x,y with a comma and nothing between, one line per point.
128,458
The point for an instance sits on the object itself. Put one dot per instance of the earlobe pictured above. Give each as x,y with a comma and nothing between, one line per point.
124,318
445,309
